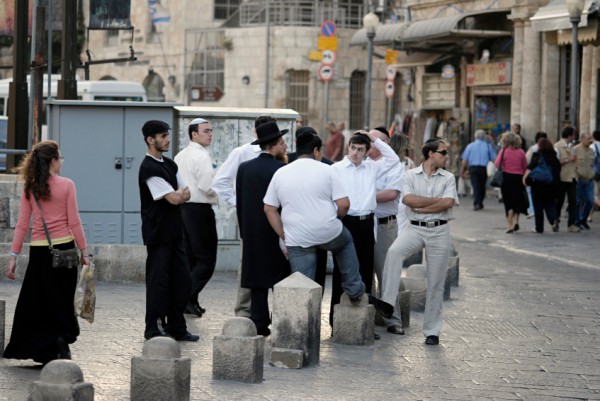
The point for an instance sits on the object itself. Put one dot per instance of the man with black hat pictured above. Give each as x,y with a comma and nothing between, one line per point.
199,224
263,261
162,190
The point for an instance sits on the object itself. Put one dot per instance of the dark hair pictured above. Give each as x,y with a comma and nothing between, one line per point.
35,169
194,128
360,139
596,135
382,130
431,145
306,143
567,132
263,119
271,143
544,145
153,127
540,135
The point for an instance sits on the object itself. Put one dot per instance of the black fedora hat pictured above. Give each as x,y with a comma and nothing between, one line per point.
267,132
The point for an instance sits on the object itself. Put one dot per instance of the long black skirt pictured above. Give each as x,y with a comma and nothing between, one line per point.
44,309
514,195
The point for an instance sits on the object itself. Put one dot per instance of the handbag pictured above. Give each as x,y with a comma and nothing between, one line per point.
541,173
85,294
498,177
66,258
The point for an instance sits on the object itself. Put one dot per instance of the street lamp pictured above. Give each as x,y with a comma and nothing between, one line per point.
370,22
575,8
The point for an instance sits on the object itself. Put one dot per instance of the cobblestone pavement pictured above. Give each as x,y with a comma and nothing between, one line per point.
524,324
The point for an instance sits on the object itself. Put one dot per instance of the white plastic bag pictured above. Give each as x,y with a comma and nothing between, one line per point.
85,294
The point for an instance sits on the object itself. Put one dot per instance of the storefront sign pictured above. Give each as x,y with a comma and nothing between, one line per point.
489,74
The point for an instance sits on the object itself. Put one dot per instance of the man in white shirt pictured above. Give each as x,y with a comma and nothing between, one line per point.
224,186
198,217
430,194
358,175
312,197
387,196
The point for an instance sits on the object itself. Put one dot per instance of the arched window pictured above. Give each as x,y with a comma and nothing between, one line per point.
297,91
357,100
154,86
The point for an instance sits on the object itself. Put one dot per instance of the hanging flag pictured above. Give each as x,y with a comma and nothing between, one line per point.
158,12
110,14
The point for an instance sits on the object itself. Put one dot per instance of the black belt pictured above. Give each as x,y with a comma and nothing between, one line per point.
365,217
428,224
385,220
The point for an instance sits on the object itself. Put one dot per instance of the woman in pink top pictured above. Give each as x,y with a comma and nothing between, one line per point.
44,323
514,163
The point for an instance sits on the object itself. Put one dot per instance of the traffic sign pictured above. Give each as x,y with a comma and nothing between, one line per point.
390,72
325,72
327,43
328,57
391,56
328,29
389,89
315,56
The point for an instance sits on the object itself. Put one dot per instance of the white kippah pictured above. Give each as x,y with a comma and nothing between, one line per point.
198,121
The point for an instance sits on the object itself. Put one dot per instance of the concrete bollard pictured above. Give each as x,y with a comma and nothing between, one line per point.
61,380
415,281
447,285
453,267
2,325
296,321
404,300
238,353
286,358
353,325
160,373
413,259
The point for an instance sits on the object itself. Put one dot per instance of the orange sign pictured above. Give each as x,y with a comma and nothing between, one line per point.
489,74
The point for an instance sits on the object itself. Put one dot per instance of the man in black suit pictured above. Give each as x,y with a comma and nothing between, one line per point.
263,261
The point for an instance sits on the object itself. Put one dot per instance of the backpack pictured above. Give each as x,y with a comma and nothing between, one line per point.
596,163
542,172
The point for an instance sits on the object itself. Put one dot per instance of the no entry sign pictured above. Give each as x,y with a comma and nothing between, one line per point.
325,72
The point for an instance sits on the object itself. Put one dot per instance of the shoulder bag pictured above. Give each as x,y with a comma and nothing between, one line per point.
498,177
67,258
541,173
596,163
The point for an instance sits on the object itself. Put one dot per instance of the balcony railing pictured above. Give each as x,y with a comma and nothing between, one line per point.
345,13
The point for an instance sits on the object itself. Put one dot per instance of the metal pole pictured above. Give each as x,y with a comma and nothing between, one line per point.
268,53
388,113
49,83
574,71
32,83
370,36
325,104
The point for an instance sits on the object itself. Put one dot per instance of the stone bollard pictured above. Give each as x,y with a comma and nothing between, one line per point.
296,321
404,300
61,380
2,325
160,373
453,267
415,281
447,285
353,325
238,353
413,259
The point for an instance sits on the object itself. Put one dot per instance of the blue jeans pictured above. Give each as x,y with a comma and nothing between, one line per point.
585,200
304,260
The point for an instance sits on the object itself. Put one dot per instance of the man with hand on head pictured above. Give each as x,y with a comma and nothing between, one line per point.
199,225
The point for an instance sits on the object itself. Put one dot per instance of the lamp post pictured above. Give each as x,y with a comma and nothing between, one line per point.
370,22
575,8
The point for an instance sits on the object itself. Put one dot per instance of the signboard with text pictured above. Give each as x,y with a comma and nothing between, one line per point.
499,73
206,93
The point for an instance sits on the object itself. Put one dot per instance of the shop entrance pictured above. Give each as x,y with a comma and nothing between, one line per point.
492,113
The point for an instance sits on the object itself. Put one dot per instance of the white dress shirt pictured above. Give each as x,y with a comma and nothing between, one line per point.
441,184
391,180
359,181
224,181
196,168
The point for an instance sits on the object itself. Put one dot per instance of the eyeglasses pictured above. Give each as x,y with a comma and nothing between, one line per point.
61,158
442,152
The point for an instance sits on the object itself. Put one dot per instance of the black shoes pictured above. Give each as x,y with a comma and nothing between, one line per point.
355,301
266,332
395,329
376,336
386,309
187,336
194,309
63,349
516,228
432,340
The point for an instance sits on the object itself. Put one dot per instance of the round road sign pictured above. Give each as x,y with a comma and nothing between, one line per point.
328,29
390,72
389,89
325,72
328,57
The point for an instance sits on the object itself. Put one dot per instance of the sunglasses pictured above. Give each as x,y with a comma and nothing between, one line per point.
442,152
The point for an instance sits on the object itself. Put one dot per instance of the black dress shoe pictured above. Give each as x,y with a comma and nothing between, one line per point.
266,332
187,336
395,329
63,349
193,309
432,340
376,336
386,309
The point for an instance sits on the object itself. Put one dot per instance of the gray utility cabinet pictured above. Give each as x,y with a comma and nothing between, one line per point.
103,147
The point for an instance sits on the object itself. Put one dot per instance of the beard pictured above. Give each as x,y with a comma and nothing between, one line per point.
282,157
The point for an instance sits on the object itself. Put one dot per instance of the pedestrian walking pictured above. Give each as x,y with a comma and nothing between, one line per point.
584,170
475,158
568,184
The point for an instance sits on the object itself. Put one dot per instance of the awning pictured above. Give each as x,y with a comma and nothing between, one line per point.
555,16
479,24
585,36
385,35
418,59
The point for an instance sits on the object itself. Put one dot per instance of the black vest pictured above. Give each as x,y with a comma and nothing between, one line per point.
161,221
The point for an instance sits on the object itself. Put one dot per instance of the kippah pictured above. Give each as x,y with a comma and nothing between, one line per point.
198,121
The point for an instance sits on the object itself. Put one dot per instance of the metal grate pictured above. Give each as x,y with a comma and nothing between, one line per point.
225,8
205,56
357,100
297,92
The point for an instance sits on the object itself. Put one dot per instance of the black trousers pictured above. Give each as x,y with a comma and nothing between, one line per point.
167,287
478,181
200,233
321,272
543,201
259,309
363,236
570,190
